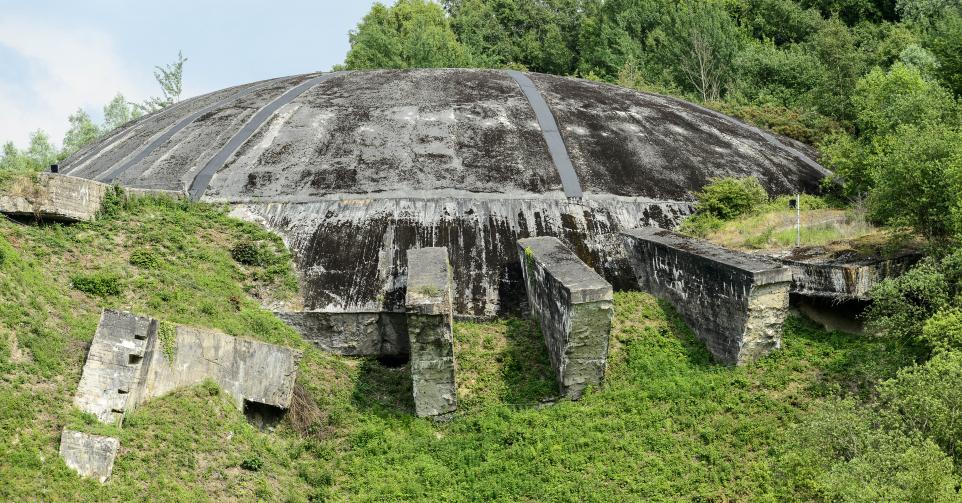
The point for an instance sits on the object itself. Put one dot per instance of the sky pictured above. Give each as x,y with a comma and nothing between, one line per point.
60,55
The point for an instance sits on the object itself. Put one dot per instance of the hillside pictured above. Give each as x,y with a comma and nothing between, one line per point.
667,422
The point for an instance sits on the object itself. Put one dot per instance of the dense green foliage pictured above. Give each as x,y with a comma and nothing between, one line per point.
724,199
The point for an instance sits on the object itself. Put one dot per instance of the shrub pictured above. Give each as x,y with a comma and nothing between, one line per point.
928,399
900,306
98,284
144,258
113,203
254,253
943,331
252,464
730,197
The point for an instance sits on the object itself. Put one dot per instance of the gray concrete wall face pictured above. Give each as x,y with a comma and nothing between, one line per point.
245,369
573,305
352,333
734,302
430,329
89,455
845,281
54,197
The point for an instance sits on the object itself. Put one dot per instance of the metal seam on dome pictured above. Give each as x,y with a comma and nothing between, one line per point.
95,150
552,136
200,182
118,170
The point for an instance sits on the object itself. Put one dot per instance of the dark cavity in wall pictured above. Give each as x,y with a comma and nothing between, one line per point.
261,415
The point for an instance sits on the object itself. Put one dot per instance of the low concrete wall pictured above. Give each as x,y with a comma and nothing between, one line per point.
845,281
734,302
352,333
54,197
430,329
573,305
126,366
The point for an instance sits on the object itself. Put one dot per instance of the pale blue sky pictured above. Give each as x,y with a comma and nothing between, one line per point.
57,55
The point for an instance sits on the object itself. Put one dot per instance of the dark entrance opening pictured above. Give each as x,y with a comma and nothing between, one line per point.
393,361
261,415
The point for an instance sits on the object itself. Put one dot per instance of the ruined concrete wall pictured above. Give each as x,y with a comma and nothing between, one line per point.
352,253
54,197
430,329
573,305
352,333
114,370
841,281
89,455
245,369
734,302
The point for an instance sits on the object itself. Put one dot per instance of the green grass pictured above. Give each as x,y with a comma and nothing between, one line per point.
666,424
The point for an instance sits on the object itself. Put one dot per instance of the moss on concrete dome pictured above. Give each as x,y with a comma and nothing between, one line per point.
354,168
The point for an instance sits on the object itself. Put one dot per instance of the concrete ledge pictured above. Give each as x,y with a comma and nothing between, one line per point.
54,197
89,455
430,330
573,305
351,333
842,281
734,302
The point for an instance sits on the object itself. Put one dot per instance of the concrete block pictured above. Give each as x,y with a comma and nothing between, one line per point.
573,305
89,455
51,196
734,302
430,330
842,278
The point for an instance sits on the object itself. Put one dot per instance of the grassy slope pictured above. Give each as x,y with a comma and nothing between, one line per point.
667,422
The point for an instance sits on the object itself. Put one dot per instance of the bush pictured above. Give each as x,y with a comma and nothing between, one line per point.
901,306
144,258
252,464
730,197
943,331
98,284
928,399
254,253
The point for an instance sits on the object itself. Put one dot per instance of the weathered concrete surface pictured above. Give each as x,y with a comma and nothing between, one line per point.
89,455
363,166
114,371
430,329
54,197
734,302
246,369
842,276
352,333
573,305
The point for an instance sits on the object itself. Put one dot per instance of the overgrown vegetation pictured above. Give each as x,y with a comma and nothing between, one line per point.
801,424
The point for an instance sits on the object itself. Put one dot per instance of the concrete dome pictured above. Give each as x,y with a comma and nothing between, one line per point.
354,168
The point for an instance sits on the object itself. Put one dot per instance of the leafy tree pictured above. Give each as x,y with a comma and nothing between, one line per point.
704,43
945,42
82,131
767,74
885,100
835,47
410,34
170,78
40,153
616,33
119,112
855,11
542,36
924,12
779,21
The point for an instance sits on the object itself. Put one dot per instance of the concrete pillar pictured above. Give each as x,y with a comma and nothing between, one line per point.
573,305
430,318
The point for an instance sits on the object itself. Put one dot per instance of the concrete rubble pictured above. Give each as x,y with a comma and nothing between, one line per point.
54,197
130,362
573,305
430,329
734,302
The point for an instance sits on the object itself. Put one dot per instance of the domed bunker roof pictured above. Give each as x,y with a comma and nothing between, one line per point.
354,168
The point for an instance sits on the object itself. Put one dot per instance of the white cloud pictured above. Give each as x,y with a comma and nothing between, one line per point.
63,68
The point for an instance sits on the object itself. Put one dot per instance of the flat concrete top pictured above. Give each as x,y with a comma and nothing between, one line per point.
563,264
428,278
755,265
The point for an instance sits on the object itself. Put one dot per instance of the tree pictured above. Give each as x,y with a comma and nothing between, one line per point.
885,100
924,12
82,131
945,41
703,45
410,34
41,153
835,47
119,112
170,78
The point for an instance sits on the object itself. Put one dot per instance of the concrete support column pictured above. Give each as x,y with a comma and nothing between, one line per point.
573,305
430,319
